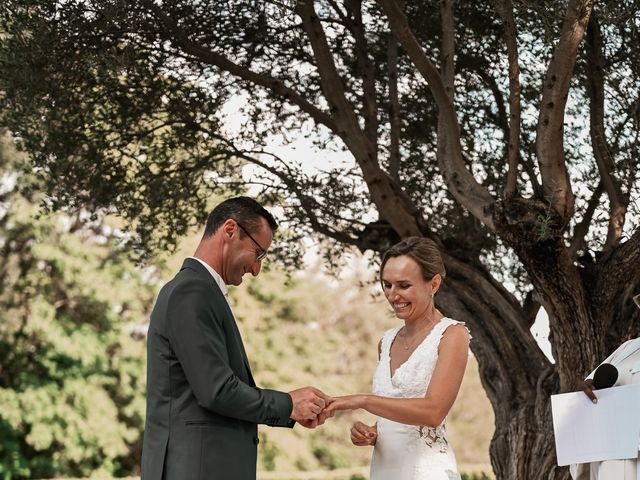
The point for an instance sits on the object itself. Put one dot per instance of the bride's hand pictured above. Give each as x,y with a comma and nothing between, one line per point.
363,435
348,402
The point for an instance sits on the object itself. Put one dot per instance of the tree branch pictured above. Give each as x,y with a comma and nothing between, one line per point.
464,187
503,123
367,71
289,179
513,152
447,74
448,52
394,109
550,132
531,307
503,117
210,57
393,204
307,201
606,166
333,87
581,230
341,14
528,166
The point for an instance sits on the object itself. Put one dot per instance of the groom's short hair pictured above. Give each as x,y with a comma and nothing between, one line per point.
244,210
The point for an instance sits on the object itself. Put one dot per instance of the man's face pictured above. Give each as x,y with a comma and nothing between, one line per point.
241,254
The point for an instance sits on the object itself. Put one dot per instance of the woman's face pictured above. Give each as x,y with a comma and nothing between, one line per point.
408,293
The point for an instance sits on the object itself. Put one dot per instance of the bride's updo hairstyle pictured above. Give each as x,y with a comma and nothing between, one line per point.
423,251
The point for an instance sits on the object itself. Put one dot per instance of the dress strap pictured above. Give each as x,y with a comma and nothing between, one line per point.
445,323
387,340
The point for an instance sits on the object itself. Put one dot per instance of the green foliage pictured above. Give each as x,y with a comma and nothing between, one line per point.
147,151
71,375
328,457
477,476
269,452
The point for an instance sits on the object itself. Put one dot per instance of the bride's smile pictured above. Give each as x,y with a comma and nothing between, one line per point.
408,293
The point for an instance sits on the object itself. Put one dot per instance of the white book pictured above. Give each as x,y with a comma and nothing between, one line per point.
587,432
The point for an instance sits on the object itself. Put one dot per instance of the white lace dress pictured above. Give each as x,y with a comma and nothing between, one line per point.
409,452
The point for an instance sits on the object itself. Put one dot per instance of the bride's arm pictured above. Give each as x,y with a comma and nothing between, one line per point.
443,387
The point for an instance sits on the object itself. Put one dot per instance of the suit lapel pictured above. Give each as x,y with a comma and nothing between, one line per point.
238,336
221,300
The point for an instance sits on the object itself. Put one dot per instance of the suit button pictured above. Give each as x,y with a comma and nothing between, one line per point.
256,440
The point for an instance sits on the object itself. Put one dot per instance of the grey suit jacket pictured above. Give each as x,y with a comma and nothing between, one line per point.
203,406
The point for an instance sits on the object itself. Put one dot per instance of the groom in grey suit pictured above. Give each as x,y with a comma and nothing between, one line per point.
203,406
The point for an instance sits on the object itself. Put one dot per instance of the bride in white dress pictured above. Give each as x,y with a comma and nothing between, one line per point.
418,375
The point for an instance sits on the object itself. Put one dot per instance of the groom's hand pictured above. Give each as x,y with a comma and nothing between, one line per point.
325,413
321,418
309,423
308,403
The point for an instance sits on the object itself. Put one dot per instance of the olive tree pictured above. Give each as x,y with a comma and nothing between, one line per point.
505,130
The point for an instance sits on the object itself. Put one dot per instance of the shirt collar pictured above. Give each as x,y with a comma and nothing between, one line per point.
216,276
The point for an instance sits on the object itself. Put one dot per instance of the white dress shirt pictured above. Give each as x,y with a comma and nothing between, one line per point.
216,277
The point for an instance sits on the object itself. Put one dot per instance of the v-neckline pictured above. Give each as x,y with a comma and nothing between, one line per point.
393,340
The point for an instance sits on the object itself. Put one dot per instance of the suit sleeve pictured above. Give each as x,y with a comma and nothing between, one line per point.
198,339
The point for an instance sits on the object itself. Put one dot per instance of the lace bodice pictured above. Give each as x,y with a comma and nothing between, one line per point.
411,379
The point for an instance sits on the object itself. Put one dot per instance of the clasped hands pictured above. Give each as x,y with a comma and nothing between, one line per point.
312,407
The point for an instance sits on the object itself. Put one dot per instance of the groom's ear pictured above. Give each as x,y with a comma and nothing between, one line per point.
228,228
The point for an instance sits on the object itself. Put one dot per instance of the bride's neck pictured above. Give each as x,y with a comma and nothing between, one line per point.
417,326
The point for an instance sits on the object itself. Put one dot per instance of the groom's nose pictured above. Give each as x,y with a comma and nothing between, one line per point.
256,267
